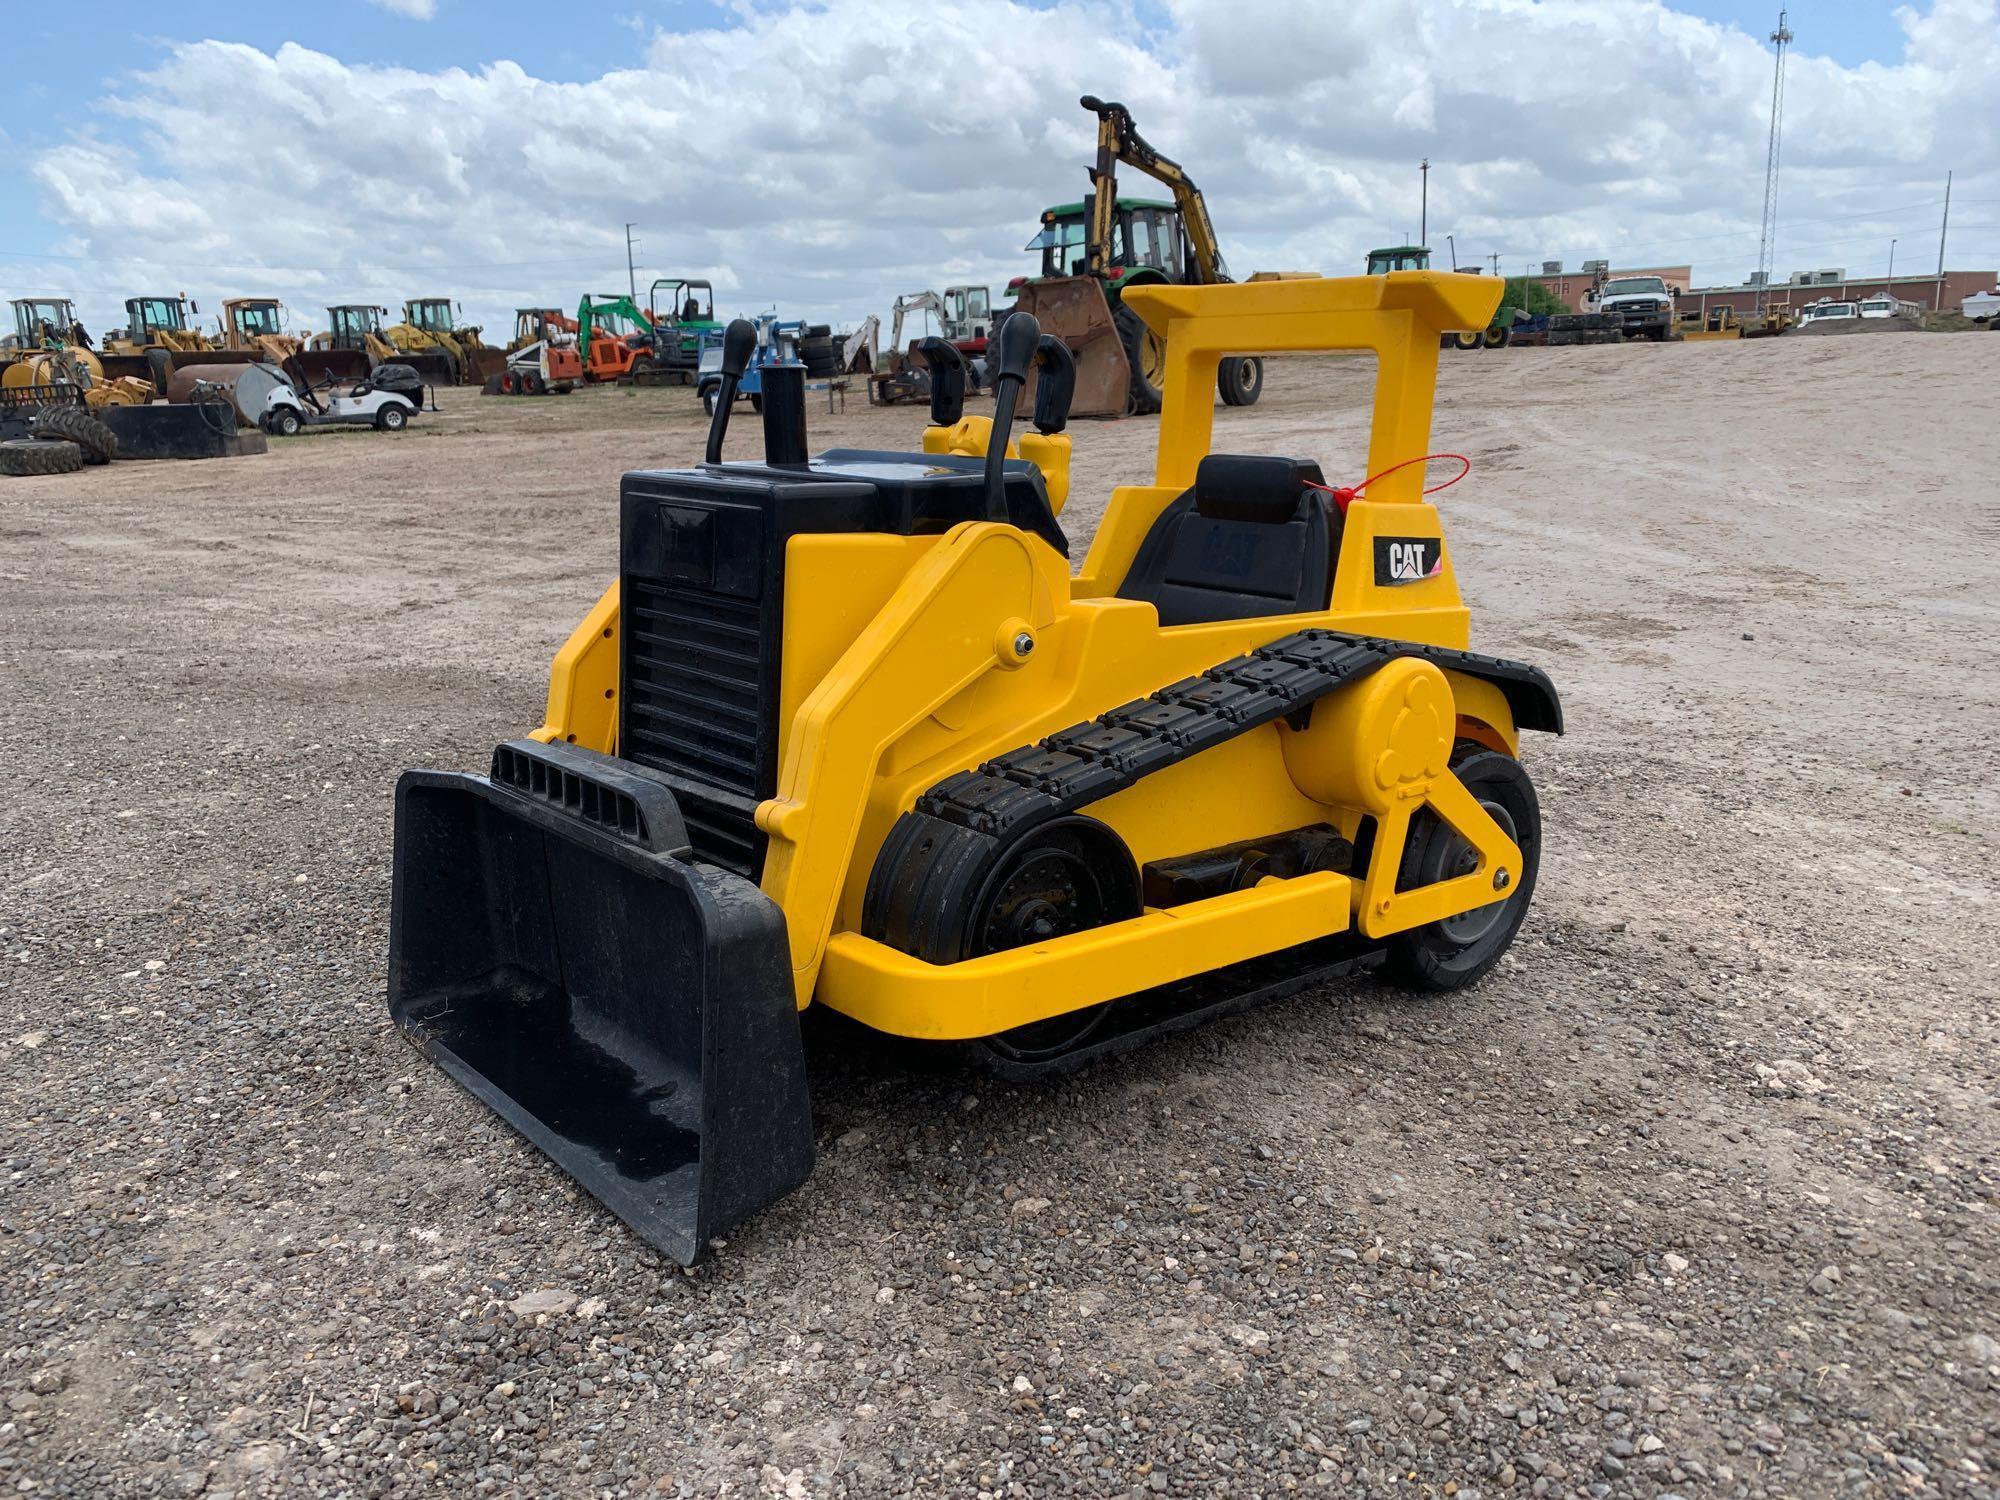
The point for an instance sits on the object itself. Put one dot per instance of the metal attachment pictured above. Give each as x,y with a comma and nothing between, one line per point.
1024,644
1501,880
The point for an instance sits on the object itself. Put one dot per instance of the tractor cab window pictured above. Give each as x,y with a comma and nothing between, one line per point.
431,317
1151,238
977,304
1061,244
1399,258
257,318
698,306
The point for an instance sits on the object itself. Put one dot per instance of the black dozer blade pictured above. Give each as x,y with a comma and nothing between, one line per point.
556,948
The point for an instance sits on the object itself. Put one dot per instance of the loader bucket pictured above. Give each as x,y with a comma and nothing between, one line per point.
316,366
486,363
1075,310
556,949
436,366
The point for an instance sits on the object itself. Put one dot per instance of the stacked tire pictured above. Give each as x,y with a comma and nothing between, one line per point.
61,440
819,350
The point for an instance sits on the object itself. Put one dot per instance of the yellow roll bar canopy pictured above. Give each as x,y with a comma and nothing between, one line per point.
1398,317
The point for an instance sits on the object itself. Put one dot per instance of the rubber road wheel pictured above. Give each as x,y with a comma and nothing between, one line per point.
30,456
391,419
286,424
492,386
72,424
641,366
1146,352
1240,380
1495,338
1455,952
1467,339
1070,877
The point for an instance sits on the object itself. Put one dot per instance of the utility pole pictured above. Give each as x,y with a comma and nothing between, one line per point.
1454,251
1424,221
1890,288
1495,258
1767,236
1937,297
631,273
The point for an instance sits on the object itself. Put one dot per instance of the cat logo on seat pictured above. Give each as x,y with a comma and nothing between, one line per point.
1407,559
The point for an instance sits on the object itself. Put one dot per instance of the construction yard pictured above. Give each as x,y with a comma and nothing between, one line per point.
1698,1194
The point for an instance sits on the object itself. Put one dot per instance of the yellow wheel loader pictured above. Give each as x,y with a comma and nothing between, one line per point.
256,326
849,731
444,353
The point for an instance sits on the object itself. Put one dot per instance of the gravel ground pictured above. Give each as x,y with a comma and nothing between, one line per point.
1695,1196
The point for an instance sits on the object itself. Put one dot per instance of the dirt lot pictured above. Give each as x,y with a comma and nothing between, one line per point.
1697,1195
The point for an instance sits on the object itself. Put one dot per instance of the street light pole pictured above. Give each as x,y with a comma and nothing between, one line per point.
1424,221
1891,287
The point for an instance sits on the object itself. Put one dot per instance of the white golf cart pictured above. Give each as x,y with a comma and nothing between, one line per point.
385,399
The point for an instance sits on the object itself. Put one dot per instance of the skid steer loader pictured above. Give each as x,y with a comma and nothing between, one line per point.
848,731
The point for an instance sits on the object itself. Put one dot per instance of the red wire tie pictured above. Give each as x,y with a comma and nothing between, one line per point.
1344,493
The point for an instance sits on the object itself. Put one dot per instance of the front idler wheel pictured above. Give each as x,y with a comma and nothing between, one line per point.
1454,952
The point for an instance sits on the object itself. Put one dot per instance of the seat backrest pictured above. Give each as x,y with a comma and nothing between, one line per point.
1251,538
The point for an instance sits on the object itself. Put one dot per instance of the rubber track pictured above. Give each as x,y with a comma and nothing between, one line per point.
934,856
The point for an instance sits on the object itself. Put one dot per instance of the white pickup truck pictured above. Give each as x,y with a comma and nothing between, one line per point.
1982,306
1641,305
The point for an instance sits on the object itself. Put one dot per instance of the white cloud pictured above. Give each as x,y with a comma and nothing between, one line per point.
416,10
825,157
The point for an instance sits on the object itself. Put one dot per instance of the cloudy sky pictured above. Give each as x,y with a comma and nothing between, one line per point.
822,157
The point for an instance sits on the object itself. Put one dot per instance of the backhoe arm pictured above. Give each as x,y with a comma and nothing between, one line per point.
1118,139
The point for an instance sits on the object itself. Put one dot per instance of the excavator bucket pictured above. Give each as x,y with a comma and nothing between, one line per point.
554,946
1075,310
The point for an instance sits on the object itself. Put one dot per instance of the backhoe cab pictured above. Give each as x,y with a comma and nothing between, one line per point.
1398,258
1095,251
849,731
682,312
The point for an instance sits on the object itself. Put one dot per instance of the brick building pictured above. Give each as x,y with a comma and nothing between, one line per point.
1835,286
1569,286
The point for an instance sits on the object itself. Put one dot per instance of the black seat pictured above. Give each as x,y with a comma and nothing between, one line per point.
1251,538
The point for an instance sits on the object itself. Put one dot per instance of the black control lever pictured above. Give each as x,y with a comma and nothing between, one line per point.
739,342
1055,384
948,371
1020,337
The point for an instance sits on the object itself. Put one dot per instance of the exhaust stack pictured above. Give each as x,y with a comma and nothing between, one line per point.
784,415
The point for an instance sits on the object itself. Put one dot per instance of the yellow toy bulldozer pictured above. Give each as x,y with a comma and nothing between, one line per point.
848,731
